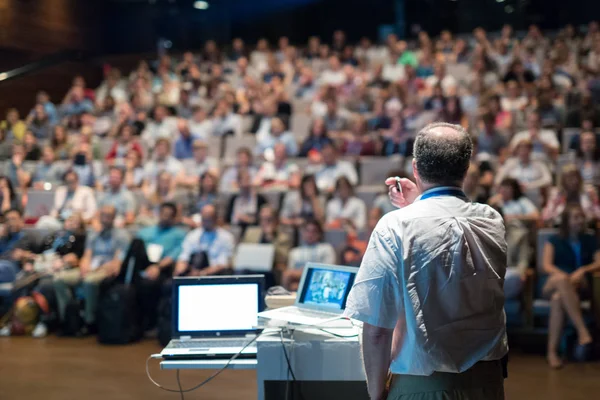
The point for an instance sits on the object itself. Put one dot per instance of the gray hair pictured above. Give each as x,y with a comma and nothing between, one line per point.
442,153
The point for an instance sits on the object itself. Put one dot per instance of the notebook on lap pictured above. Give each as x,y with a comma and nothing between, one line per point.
214,317
322,294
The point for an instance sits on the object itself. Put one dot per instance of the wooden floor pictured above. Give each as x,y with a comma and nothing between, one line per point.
64,369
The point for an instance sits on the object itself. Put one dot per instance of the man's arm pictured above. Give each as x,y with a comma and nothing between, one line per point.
376,352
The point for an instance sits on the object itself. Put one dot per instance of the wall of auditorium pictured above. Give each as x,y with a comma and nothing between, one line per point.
47,26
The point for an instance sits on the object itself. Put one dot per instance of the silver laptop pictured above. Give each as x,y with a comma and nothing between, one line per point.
214,317
254,257
322,295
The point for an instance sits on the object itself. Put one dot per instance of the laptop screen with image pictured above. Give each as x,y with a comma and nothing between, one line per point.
217,307
326,288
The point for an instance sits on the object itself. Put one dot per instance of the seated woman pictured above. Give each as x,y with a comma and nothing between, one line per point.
124,144
570,191
304,204
317,138
68,199
312,249
570,258
134,171
345,210
520,215
244,206
60,143
268,232
207,194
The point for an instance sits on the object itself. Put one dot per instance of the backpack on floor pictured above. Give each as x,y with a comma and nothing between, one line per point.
73,318
118,318
164,321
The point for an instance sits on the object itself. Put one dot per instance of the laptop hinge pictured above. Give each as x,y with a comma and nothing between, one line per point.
184,337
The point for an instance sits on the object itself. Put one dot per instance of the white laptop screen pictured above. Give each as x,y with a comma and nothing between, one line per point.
219,307
326,288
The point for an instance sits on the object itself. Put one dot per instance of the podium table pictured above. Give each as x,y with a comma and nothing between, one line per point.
325,366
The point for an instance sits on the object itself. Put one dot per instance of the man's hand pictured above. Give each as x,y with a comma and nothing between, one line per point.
28,267
409,193
152,272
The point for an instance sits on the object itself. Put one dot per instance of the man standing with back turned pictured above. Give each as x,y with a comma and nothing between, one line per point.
429,289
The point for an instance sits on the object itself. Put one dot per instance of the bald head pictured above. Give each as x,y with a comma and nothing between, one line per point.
442,153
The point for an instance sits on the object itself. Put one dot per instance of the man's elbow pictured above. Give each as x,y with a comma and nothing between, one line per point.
376,334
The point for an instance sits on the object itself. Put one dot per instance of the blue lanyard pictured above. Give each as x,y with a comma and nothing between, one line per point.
444,192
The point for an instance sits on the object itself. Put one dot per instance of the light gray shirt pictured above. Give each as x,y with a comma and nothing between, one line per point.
353,209
322,253
327,175
434,272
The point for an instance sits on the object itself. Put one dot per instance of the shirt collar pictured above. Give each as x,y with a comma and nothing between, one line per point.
436,190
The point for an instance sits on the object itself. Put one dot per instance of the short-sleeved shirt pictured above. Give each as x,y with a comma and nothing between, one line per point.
519,207
105,245
218,245
353,209
123,201
170,239
434,272
328,174
322,253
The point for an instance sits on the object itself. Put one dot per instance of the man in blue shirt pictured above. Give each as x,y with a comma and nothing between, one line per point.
183,145
207,250
154,253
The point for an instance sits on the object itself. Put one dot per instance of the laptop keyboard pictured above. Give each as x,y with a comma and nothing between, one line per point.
200,344
309,313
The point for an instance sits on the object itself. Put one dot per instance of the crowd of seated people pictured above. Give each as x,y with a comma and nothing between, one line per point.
195,153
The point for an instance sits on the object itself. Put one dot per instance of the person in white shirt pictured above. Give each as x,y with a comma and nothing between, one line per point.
514,100
225,121
162,161
332,169
531,174
189,175
544,141
345,210
312,249
334,75
429,290
162,126
200,126
448,82
276,173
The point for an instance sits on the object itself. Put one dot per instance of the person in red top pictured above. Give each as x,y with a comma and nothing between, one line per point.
124,143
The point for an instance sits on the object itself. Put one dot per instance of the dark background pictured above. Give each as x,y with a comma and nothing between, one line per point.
121,31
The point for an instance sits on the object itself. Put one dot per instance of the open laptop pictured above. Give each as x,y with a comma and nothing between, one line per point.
254,257
214,317
322,295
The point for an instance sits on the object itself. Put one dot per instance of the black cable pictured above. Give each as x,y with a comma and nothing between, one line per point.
289,365
210,378
179,385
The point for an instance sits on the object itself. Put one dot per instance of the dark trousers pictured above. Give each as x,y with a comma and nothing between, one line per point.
148,291
483,381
